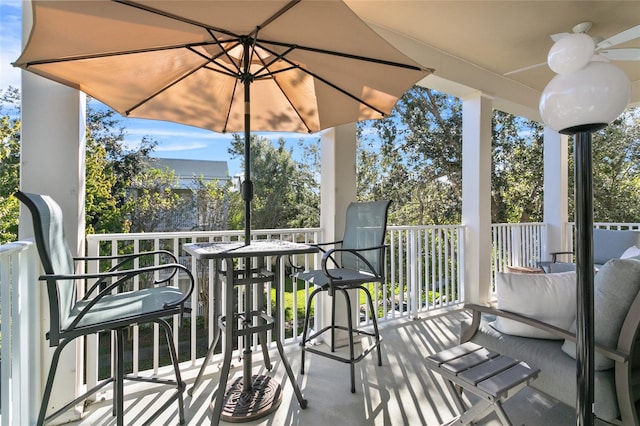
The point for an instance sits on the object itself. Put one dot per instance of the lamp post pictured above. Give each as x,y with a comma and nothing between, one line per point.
585,96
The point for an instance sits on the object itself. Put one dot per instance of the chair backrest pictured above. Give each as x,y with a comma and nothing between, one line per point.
54,253
611,244
366,226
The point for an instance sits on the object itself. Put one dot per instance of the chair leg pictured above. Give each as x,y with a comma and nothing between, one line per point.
224,375
180,385
352,364
287,367
262,336
375,323
264,344
333,321
49,385
118,388
305,328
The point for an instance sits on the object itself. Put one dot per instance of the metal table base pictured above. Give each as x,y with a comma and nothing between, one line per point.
250,396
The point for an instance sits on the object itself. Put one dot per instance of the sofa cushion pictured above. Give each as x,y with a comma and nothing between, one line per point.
632,251
615,287
550,298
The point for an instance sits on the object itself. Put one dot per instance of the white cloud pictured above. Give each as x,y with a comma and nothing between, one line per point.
181,146
159,132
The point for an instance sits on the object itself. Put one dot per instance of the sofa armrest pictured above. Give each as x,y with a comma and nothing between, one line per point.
477,310
554,255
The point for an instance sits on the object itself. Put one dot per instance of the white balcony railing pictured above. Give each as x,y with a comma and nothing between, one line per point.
20,371
517,244
424,272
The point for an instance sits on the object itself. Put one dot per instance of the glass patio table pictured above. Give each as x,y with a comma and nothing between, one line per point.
251,396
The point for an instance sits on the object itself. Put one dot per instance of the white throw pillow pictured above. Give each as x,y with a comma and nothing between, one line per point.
550,298
632,251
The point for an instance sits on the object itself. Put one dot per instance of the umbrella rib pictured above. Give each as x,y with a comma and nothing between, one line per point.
270,74
343,55
343,91
157,92
118,53
214,60
179,18
233,93
275,80
273,17
325,81
225,51
277,57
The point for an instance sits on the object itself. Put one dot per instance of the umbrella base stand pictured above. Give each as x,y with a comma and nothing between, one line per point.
263,398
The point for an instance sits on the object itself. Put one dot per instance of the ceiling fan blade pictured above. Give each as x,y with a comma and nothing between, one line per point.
524,69
626,35
632,54
556,37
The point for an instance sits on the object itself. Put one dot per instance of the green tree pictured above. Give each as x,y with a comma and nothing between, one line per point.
117,165
420,164
102,213
307,185
152,200
616,170
9,163
517,170
211,204
285,193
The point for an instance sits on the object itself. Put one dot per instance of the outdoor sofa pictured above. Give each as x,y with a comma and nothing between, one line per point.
607,244
534,322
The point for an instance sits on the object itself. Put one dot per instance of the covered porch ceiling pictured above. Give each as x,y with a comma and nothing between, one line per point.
473,44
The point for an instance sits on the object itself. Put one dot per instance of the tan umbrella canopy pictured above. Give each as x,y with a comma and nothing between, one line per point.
227,66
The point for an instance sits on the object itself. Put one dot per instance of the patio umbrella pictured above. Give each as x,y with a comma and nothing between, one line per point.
227,66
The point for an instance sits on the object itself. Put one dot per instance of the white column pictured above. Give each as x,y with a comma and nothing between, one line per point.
337,190
556,187
477,112
52,162
337,178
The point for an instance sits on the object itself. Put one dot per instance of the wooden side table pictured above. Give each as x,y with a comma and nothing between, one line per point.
487,374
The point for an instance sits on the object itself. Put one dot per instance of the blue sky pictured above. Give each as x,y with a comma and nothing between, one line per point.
174,140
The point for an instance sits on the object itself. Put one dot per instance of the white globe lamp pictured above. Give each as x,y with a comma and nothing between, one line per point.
571,53
586,99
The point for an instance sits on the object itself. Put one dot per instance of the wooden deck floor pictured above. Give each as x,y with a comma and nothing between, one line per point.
400,392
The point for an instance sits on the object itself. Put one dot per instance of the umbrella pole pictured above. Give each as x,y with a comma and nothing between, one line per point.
247,194
247,185
585,275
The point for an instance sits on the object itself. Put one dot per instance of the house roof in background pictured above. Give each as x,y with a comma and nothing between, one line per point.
187,170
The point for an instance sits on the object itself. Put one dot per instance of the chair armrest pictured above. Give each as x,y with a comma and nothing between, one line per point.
127,257
329,256
329,243
555,254
613,354
320,246
124,259
122,276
